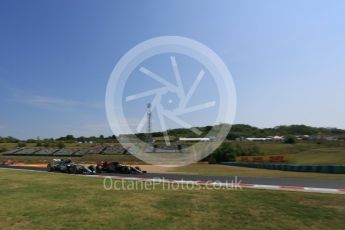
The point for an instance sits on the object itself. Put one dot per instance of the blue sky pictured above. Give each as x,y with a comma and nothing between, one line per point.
286,58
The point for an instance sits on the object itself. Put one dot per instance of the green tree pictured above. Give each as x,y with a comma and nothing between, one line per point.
290,140
81,139
60,145
224,153
30,141
69,138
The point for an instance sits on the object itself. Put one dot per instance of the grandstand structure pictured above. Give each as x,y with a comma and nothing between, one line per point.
109,149
81,152
167,149
97,150
41,152
114,150
27,151
66,152
70,152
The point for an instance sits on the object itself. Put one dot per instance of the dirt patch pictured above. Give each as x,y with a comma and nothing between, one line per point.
156,169
31,165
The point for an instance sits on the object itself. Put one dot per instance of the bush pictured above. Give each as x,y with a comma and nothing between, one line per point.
254,151
3,149
31,141
251,151
21,144
227,153
61,145
224,153
290,140
212,161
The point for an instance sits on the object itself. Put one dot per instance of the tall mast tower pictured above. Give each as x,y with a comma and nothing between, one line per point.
149,125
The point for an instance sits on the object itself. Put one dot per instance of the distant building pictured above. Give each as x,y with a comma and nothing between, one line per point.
321,137
205,139
275,138
258,138
278,138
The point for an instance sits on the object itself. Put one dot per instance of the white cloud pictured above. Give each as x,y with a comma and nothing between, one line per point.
49,101
56,103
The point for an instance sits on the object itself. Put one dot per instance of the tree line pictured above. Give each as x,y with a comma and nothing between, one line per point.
237,131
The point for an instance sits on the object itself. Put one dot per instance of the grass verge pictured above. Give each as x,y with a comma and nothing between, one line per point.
224,170
33,200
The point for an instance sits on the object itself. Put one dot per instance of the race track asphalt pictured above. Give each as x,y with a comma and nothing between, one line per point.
313,183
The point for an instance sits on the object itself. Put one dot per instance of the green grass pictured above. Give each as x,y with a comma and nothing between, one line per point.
331,153
224,170
8,146
326,156
274,148
33,200
317,156
269,148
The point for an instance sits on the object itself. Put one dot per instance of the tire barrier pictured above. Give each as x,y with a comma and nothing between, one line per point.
340,169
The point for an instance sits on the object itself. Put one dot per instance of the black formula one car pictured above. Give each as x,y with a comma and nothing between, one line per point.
116,167
67,166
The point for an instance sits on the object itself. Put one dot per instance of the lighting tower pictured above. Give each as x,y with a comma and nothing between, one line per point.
149,114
